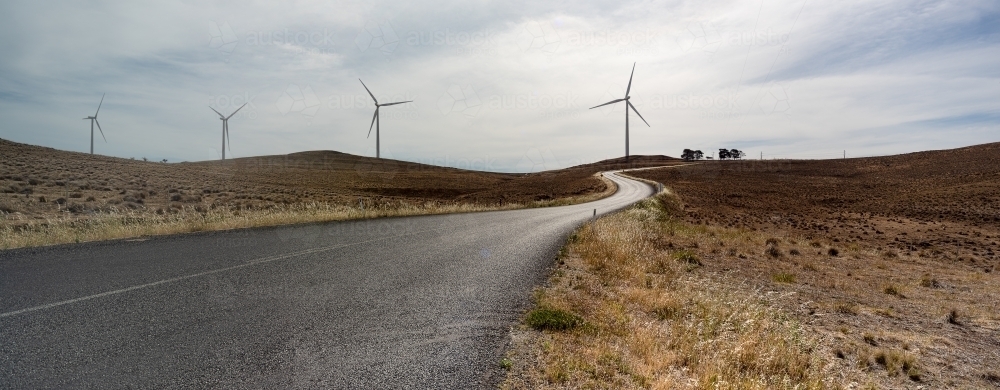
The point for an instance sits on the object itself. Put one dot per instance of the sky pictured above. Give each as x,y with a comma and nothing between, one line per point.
502,86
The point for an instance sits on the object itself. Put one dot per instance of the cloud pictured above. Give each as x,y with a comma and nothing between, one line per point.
495,82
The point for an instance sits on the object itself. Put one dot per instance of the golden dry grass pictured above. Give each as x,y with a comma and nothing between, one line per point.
127,223
654,319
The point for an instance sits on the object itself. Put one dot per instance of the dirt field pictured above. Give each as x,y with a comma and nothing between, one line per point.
891,260
41,187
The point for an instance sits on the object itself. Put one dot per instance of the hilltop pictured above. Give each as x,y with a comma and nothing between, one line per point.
39,184
39,181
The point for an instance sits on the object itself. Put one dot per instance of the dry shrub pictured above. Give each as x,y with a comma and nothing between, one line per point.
846,308
953,317
929,281
783,277
7,207
895,362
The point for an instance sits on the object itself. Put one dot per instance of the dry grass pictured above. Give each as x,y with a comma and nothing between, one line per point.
127,223
54,197
652,318
895,255
41,182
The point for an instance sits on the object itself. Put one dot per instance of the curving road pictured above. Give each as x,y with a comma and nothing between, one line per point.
416,302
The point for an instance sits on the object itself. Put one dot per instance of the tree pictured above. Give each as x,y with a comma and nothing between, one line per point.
736,154
692,155
724,154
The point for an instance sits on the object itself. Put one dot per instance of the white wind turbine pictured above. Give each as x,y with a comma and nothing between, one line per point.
375,119
225,128
627,105
93,119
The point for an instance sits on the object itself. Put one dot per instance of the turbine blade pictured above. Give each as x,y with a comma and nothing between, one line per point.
229,143
629,89
220,114
390,104
99,105
640,115
369,92
613,101
372,126
102,130
237,110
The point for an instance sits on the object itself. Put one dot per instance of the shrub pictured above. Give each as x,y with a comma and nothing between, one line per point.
833,252
784,277
953,317
930,282
686,256
846,308
552,319
773,252
667,311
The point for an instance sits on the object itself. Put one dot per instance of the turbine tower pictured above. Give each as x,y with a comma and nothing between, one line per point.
627,105
225,128
375,120
93,119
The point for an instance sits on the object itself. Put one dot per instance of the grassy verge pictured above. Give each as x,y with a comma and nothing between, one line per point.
16,231
629,306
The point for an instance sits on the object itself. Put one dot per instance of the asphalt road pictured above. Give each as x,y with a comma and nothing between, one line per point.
416,302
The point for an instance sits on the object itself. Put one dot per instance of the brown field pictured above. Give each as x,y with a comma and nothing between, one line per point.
858,273
887,256
49,196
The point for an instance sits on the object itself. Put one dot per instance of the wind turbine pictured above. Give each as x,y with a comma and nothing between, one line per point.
627,105
375,120
93,119
225,128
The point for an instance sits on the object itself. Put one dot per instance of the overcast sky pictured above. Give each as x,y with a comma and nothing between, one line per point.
502,86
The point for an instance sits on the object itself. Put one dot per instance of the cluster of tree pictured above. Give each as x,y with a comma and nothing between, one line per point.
724,154
731,154
692,155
